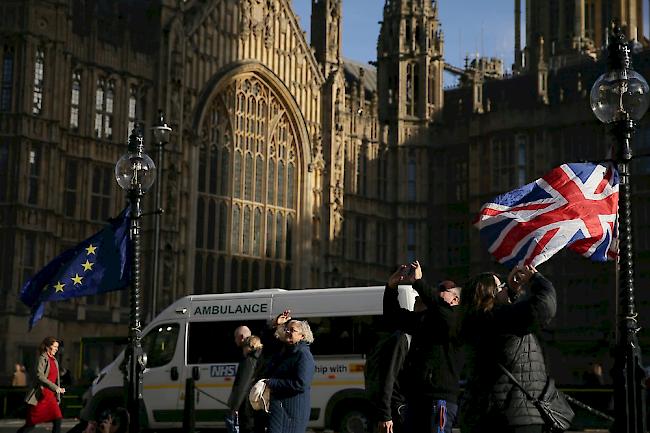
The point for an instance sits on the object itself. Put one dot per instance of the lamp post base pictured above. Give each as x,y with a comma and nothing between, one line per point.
629,391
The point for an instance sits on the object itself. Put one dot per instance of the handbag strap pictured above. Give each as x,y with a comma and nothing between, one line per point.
516,382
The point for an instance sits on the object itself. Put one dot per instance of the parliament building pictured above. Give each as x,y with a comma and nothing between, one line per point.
289,165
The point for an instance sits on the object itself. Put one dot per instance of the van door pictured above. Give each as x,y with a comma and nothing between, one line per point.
162,386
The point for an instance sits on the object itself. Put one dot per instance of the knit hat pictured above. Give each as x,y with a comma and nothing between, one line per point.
446,285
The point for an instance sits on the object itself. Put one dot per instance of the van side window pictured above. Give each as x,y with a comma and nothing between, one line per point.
160,344
213,342
344,335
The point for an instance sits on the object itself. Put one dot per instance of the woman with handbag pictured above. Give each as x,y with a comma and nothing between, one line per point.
499,326
43,399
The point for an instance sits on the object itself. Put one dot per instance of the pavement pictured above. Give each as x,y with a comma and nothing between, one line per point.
10,425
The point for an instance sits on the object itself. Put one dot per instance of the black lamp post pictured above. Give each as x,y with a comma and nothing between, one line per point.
135,172
620,98
161,133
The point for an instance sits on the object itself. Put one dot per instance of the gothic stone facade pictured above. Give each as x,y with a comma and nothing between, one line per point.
279,172
289,166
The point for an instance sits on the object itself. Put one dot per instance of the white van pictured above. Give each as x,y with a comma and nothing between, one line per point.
196,333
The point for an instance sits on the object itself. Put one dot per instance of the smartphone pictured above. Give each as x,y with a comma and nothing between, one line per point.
408,271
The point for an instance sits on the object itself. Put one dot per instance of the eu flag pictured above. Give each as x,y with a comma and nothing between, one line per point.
97,265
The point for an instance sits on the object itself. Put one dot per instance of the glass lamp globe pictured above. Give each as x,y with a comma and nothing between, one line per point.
620,94
135,170
161,133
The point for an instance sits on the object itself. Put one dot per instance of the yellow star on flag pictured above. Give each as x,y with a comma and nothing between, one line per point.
87,266
90,249
58,287
76,279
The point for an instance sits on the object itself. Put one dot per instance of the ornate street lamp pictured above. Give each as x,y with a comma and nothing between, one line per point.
161,133
135,172
620,98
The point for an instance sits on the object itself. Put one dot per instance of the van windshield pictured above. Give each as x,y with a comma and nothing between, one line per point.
160,344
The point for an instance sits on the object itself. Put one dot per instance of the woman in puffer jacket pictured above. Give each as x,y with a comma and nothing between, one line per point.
499,326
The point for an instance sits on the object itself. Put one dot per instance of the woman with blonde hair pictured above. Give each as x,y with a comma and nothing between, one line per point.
238,401
43,399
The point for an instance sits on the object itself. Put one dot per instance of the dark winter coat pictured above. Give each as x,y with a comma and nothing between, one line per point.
434,361
238,399
291,373
381,376
243,380
506,335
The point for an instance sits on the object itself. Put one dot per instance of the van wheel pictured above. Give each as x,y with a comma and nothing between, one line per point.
354,421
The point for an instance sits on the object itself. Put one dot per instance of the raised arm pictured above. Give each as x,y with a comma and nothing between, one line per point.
398,317
530,312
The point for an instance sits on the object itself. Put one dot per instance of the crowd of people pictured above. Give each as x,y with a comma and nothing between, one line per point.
486,329
413,373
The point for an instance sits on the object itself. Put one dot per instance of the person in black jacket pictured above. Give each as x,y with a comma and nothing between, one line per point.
434,361
499,326
383,367
238,400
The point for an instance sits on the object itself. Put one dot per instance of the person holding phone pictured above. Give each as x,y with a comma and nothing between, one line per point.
500,326
434,361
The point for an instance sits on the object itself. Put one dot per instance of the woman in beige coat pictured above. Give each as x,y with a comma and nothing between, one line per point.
43,399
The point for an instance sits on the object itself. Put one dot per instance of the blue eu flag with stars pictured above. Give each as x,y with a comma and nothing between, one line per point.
97,265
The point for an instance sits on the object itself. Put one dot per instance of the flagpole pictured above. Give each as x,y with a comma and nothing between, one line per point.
620,98
135,173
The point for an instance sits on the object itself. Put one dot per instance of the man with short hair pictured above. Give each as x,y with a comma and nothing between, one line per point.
241,333
434,361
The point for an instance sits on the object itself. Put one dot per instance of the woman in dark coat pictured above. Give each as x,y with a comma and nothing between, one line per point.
499,326
290,375
43,399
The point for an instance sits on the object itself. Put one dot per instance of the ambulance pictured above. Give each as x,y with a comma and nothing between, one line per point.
193,337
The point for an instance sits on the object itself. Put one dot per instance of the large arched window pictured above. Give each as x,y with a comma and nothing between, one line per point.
248,170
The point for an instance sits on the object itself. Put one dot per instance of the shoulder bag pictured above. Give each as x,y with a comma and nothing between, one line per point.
551,403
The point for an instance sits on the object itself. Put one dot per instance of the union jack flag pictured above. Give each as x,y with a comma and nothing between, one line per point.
574,205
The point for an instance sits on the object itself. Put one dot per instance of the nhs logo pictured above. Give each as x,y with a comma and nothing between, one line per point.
223,370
